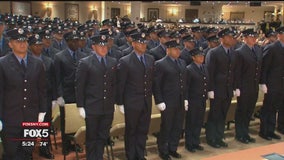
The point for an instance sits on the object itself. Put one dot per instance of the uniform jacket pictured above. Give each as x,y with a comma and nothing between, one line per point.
56,45
221,68
135,82
273,67
95,87
50,77
248,69
158,52
120,39
5,47
186,56
22,94
169,82
65,69
86,50
152,44
127,51
115,52
50,52
205,51
124,46
197,82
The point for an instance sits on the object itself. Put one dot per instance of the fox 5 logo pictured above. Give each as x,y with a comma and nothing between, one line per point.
36,133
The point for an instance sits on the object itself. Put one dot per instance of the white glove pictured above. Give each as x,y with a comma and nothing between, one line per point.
211,94
237,92
41,116
54,103
1,125
263,88
82,112
161,106
60,101
121,108
186,105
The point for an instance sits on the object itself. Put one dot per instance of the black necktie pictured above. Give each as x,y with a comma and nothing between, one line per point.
201,68
23,65
46,51
254,54
176,62
142,61
228,54
74,56
103,63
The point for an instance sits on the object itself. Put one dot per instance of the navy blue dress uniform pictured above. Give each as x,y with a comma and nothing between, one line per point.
200,41
270,37
65,63
126,25
185,52
135,79
197,88
272,76
183,32
4,47
127,51
22,97
48,51
221,68
214,39
160,51
82,37
119,38
127,46
170,88
247,81
96,93
90,32
211,32
153,31
107,23
50,88
113,50
60,45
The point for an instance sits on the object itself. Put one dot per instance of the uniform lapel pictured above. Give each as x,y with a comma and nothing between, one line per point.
108,62
68,56
248,50
198,69
30,64
172,63
137,61
228,56
97,62
15,64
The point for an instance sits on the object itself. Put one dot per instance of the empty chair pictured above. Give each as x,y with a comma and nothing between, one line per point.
73,124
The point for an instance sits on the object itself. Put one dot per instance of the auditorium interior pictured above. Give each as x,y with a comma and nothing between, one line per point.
173,14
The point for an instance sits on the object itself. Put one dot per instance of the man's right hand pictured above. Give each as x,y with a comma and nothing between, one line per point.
82,112
54,104
121,108
1,125
161,106
263,88
211,94
60,101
